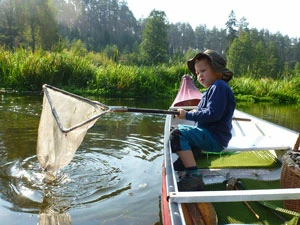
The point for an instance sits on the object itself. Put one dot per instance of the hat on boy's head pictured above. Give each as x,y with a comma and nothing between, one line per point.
218,63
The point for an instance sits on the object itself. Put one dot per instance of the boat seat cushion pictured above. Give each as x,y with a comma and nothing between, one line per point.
247,159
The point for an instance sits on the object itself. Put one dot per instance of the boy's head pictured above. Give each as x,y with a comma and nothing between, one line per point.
217,62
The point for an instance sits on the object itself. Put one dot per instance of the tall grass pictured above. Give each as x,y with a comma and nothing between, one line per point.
134,81
24,70
94,73
266,89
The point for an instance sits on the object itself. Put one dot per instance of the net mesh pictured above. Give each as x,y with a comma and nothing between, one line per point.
64,121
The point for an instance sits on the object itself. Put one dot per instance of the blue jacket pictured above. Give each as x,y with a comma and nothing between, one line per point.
215,111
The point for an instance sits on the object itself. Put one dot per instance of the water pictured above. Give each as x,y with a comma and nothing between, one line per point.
115,176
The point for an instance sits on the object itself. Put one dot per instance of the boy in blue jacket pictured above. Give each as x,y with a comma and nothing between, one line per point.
213,117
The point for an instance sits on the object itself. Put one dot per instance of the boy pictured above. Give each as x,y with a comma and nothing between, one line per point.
213,117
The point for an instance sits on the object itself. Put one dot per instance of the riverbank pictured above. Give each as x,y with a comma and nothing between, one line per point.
93,74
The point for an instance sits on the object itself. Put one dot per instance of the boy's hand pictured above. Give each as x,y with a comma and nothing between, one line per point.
182,113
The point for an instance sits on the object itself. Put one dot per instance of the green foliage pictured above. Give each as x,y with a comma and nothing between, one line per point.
109,27
97,74
240,55
96,47
112,52
231,24
133,81
154,45
297,69
35,22
267,89
78,48
25,70
180,37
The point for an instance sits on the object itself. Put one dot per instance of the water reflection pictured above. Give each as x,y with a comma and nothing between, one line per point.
50,213
93,175
114,177
50,218
114,172
286,115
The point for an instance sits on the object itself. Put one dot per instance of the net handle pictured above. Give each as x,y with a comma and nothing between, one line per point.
142,110
158,111
171,111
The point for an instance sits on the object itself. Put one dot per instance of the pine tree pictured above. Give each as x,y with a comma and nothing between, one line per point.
154,45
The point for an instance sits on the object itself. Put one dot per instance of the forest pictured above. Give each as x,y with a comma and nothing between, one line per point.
101,35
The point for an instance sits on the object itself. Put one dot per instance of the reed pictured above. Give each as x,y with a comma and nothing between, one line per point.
94,73
24,70
267,89
134,81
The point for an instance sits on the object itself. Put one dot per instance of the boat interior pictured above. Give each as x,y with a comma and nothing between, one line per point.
244,183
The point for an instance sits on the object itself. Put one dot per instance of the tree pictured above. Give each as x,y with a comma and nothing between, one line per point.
297,69
243,25
216,40
8,24
231,25
271,60
36,24
181,37
128,27
48,28
102,22
240,55
154,45
200,37
259,61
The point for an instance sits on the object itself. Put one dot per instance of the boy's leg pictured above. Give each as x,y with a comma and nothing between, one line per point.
187,158
182,140
192,181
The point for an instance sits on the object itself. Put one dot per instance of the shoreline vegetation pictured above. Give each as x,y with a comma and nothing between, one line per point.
95,74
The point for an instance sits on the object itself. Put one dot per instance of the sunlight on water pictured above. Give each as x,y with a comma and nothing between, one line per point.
114,171
114,178
91,176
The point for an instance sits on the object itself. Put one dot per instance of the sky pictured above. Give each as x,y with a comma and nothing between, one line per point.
275,16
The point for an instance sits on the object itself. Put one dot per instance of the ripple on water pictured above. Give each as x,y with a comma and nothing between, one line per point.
87,179
108,169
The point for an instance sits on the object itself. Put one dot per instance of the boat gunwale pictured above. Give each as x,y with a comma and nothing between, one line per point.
236,195
175,210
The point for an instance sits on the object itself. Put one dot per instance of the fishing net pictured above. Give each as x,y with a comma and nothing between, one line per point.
64,121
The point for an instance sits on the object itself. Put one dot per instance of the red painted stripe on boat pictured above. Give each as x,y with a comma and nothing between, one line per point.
164,201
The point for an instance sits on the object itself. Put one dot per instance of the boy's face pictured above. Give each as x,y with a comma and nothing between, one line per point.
205,74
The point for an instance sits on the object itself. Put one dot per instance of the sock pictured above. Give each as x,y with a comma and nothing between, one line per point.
193,171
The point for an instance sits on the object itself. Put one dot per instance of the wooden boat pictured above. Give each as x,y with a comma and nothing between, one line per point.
253,138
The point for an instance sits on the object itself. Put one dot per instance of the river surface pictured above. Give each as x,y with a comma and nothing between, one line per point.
115,176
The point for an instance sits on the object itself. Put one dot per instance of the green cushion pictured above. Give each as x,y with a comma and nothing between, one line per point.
247,159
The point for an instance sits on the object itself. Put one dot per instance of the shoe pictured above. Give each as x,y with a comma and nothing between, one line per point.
178,165
191,183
